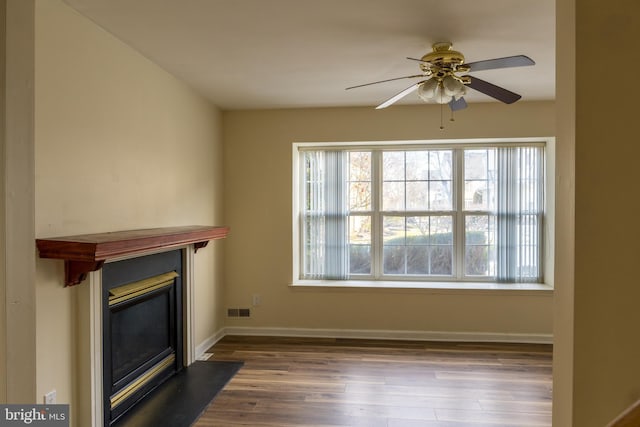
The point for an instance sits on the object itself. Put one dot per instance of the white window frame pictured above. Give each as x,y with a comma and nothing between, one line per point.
453,283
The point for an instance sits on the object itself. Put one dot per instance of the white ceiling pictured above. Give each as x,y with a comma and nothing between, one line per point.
246,54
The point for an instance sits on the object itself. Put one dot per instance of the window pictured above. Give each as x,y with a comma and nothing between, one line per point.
457,212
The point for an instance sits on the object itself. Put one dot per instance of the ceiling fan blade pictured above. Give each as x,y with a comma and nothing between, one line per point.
457,104
506,62
497,92
387,80
400,95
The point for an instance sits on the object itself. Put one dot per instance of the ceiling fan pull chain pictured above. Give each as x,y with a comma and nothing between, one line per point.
441,114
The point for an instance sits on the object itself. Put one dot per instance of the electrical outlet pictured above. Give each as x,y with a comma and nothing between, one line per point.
50,398
257,299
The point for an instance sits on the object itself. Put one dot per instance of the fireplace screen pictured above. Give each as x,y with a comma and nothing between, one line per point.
142,328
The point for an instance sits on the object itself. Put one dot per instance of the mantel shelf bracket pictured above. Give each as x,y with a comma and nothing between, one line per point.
199,245
76,271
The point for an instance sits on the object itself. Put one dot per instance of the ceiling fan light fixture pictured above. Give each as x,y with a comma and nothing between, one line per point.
427,90
453,87
442,91
440,97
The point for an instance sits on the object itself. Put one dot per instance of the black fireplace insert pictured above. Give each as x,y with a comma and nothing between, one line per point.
142,328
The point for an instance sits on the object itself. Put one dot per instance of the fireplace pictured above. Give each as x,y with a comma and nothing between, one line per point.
142,328
134,310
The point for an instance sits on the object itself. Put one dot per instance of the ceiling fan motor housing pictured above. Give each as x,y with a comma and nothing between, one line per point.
442,54
443,61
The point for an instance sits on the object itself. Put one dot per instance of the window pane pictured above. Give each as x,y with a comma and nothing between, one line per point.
417,165
480,179
393,196
417,241
442,245
477,261
393,185
313,181
360,259
360,166
418,196
393,230
360,244
440,164
441,260
394,260
359,230
480,245
441,229
477,194
418,259
440,195
475,164
394,245
418,230
360,181
393,166
479,229
360,196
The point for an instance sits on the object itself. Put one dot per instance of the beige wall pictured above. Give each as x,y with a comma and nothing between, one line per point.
18,191
120,144
563,327
606,349
3,281
258,208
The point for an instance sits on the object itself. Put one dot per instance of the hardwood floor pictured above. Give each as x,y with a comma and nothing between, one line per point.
295,382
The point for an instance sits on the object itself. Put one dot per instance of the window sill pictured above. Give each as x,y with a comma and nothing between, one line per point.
431,287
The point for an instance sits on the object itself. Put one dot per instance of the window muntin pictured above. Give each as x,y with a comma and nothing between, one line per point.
433,214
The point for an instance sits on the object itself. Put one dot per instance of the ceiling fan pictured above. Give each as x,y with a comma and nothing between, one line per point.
441,82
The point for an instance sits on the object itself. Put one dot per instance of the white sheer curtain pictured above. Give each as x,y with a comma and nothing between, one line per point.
520,209
326,250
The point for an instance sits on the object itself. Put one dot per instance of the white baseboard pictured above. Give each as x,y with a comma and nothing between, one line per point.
207,343
499,337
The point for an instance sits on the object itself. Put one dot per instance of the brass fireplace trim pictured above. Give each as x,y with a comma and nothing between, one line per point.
143,379
141,287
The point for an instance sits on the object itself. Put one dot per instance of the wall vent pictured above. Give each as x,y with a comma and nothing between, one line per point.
238,312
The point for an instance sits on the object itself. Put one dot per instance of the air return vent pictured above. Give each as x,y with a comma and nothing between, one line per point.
238,312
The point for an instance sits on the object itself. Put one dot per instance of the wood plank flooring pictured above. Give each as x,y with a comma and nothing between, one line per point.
296,382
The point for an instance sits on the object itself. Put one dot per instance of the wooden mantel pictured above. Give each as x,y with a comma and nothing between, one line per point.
88,252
